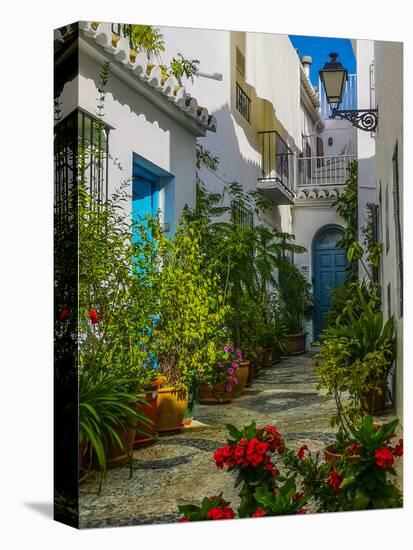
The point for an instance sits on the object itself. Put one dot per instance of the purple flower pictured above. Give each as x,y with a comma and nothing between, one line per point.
226,349
231,347
239,353
235,380
230,371
235,365
219,364
229,388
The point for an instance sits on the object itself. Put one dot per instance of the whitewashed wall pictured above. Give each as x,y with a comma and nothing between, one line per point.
388,58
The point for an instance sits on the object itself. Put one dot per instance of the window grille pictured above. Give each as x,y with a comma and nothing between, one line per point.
243,103
241,214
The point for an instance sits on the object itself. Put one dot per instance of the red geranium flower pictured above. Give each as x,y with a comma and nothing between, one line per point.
334,480
219,513
297,496
301,451
93,316
255,460
259,513
398,449
261,447
384,458
183,520
64,314
302,511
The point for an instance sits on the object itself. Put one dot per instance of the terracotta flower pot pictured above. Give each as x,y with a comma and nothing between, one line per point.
251,373
374,401
267,357
117,456
215,395
296,343
331,455
260,355
242,376
146,435
172,404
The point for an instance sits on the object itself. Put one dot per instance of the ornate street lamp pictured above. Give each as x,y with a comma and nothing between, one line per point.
334,77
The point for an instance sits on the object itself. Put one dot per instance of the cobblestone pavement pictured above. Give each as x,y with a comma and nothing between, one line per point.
178,468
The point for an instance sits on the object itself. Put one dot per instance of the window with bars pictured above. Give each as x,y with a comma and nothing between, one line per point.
81,152
241,214
243,103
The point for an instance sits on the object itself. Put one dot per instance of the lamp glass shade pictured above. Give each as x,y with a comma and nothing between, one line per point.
333,77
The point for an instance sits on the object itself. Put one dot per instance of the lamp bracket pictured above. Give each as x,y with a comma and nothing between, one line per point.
363,119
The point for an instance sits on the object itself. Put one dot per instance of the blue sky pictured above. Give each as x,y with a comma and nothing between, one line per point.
319,48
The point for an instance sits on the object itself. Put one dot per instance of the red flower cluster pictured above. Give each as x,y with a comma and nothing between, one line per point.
301,451
259,513
398,449
274,439
93,316
334,480
297,496
221,513
183,520
384,457
245,453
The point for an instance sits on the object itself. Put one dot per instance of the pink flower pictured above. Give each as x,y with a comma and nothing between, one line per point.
235,365
229,388
234,379
226,349
231,371
239,353
219,364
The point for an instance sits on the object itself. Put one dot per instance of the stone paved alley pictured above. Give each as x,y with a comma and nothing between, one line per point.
178,468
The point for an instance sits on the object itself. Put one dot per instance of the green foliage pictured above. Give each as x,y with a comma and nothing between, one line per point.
180,67
347,207
105,404
355,357
200,513
365,484
295,298
189,331
244,256
147,38
281,502
345,301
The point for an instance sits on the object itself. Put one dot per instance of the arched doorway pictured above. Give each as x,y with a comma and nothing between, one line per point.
329,271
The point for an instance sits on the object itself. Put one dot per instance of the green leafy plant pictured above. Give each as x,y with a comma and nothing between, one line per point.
365,482
295,298
188,334
347,208
105,405
281,502
212,508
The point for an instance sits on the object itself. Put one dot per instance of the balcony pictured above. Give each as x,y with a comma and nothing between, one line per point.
322,177
277,168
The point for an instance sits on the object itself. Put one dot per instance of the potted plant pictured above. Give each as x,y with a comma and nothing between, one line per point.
296,301
107,417
190,321
370,351
218,382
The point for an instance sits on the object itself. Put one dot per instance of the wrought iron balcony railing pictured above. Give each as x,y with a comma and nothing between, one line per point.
319,171
277,160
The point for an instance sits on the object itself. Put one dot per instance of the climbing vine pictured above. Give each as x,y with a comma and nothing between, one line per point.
347,207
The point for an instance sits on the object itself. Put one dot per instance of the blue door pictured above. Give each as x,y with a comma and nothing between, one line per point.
145,190
329,270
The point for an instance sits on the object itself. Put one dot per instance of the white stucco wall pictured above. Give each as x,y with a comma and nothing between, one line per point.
364,50
140,127
389,97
